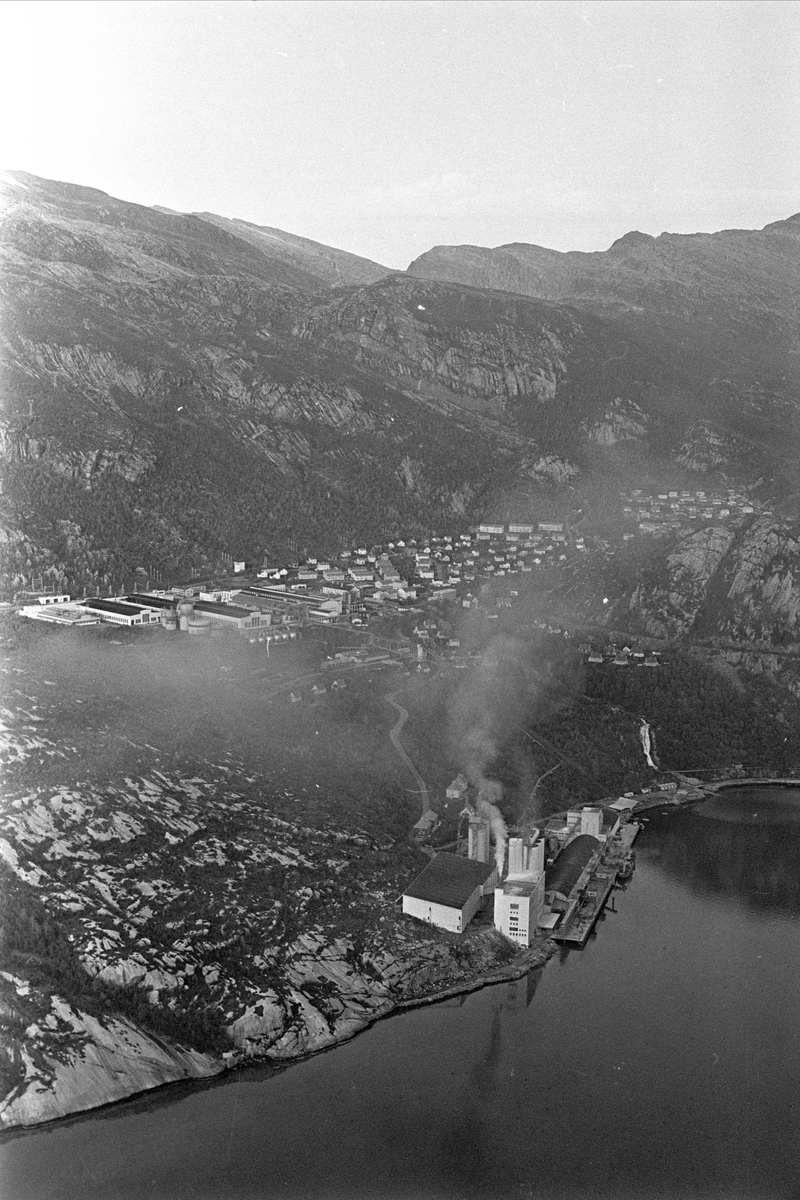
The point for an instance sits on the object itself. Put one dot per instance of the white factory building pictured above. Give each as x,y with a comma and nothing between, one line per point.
119,612
449,891
519,900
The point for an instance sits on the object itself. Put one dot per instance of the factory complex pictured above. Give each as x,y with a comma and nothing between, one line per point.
551,881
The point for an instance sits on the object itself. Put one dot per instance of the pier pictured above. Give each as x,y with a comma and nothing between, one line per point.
581,918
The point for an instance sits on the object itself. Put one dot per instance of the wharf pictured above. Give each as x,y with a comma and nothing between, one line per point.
582,921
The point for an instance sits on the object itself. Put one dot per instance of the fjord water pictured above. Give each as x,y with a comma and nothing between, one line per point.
661,1061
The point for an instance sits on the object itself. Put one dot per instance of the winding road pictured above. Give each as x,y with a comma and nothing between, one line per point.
394,734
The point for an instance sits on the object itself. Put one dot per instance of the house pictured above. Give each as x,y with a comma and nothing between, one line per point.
449,891
457,788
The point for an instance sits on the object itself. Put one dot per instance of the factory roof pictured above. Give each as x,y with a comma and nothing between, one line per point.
449,879
151,601
520,887
567,868
113,606
254,603
222,610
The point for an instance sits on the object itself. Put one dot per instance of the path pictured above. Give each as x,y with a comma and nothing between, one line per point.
394,734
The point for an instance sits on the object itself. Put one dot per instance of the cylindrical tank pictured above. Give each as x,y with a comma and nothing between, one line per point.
478,847
536,855
516,856
185,609
198,625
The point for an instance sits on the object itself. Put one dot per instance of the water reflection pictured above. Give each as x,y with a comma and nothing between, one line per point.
743,845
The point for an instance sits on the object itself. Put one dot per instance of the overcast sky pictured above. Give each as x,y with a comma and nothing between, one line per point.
385,128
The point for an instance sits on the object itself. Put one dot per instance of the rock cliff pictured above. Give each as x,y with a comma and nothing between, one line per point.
726,585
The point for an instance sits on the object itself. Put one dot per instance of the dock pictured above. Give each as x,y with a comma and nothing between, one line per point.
580,923
580,920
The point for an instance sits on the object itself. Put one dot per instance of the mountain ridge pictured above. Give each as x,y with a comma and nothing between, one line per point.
320,397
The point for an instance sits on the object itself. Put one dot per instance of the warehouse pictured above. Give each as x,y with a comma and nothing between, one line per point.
565,875
118,612
150,600
60,614
449,891
230,615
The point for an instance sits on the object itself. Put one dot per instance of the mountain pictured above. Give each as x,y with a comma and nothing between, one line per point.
181,387
718,310
722,296
329,266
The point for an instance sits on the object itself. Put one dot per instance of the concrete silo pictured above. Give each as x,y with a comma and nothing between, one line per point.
478,846
185,611
591,820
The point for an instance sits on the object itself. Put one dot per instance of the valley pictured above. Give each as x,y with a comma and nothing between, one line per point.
510,480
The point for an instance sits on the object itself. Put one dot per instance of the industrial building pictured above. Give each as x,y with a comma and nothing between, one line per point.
230,615
63,612
565,876
151,600
519,899
518,907
118,612
449,891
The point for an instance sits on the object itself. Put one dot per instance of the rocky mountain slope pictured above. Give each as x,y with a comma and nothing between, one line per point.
165,923
720,308
329,266
181,387
710,290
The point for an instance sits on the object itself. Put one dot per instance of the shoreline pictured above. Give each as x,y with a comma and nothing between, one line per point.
534,957
524,961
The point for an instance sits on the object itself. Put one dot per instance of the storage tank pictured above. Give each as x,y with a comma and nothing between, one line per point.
185,609
197,625
478,843
536,855
516,856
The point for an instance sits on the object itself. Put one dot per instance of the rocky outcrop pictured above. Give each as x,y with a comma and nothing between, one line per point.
669,609
622,421
330,998
494,356
552,468
293,943
765,586
71,1061
728,585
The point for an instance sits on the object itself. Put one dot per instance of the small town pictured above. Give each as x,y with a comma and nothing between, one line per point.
676,510
357,584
